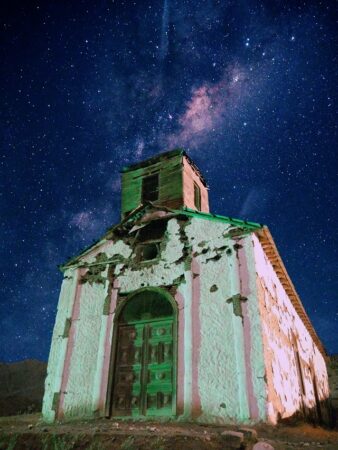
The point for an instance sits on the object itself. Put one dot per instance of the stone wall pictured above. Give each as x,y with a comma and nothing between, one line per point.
295,369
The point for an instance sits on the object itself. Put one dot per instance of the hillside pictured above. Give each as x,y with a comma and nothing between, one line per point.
21,387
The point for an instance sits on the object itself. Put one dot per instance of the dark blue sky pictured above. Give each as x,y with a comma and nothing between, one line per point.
247,88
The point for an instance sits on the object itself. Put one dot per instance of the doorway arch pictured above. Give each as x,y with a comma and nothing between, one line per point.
145,341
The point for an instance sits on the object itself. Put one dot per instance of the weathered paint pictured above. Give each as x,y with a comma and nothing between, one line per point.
177,175
253,345
222,325
70,346
190,176
59,345
103,370
196,338
221,360
281,327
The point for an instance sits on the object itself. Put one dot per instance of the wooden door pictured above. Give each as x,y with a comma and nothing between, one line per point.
144,369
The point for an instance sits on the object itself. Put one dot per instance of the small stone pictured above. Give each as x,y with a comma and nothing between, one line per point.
262,446
30,426
249,433
306,444
233,438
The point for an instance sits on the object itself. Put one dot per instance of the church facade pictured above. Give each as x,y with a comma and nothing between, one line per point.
181,314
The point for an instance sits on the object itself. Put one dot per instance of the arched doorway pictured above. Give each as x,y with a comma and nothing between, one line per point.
144,380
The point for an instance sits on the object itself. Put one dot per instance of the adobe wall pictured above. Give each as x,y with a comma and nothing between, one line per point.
280,325
77,379
220,366
229,382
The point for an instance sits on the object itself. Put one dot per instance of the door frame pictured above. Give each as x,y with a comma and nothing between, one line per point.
113,348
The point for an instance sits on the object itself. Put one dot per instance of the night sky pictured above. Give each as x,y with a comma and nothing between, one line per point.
87,87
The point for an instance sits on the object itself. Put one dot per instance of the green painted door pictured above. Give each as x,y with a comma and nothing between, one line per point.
144,369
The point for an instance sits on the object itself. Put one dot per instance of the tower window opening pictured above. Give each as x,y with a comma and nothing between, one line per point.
150,188
197,196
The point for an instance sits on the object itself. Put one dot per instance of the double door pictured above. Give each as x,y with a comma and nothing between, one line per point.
144,369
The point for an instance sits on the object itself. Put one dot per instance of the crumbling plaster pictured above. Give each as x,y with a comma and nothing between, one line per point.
226,317
58,345
222,372
283,332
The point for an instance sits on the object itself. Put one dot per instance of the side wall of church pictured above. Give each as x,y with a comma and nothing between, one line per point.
292,380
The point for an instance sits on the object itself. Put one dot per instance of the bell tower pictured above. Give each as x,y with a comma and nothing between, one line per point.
169,179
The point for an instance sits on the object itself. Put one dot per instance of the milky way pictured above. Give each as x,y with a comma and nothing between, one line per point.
247,88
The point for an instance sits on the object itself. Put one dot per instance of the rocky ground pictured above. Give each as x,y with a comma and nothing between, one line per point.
28,432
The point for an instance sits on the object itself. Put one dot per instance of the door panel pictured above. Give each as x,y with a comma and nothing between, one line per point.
127,389
144,370
159,368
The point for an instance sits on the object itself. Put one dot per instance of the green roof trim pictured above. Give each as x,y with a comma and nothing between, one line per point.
216,217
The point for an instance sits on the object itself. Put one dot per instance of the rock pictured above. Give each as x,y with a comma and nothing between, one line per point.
233,439
262,446
249,433
30,426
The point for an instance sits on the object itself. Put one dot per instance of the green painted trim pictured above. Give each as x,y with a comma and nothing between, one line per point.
112,363
160,291
217,218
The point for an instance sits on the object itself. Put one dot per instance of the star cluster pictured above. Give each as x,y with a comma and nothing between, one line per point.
87,87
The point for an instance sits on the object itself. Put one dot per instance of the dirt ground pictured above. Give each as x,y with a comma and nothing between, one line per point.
28,432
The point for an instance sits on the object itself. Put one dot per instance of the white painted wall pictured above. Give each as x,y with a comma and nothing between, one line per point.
279,320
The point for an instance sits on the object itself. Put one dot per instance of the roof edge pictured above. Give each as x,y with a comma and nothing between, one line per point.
153,159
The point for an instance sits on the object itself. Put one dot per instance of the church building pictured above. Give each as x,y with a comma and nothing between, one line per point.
180,314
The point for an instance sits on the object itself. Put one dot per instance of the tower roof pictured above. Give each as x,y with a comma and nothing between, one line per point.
164,156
